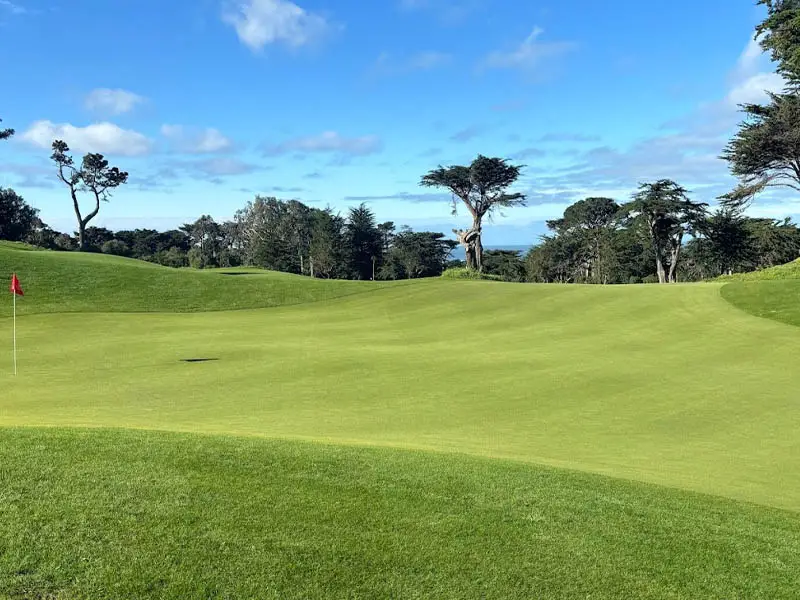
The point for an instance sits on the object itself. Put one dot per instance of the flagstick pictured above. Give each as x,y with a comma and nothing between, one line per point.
15,334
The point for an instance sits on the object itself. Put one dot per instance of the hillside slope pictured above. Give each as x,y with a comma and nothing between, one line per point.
113,514
78,282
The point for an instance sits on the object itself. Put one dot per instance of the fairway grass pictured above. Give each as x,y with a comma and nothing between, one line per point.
113,514
59,282
671,412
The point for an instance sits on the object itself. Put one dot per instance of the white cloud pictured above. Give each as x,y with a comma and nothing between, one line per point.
753,90
15,9
528,55
330,142
113,102
194,141
105,138
750,82
262,22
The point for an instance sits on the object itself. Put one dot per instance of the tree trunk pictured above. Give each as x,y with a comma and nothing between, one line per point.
662,277
478,251
674,255
81,236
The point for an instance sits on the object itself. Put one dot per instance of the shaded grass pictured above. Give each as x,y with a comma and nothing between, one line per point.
114,514
778,300
81,282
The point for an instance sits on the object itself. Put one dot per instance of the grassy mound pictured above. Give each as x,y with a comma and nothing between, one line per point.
112,514
778,300
78,282
787,271
665,384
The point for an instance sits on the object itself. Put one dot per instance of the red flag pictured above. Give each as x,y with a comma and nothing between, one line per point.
15,286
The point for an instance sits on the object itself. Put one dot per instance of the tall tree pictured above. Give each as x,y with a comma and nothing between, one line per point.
205,237
327,248
765,152
779,34
590,222
5,133
483,188
94,177
665,213
17,218
364,241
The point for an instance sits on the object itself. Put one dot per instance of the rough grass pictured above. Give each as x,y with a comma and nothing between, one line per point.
78,282
112,514
787,271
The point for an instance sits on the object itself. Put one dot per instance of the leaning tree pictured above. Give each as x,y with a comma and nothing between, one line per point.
765,152
665,213
482,188
94,176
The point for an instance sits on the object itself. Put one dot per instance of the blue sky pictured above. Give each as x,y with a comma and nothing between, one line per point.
335,102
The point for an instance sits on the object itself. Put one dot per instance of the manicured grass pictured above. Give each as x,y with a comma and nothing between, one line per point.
78,282
113,514
667,385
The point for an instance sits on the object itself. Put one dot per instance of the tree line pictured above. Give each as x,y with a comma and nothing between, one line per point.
659,235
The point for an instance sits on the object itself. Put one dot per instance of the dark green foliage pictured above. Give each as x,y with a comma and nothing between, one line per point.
364,242
779,34
205,240
415,254
765,152
483,188
116,248
328,246
664,214
506,264
5,133
18,220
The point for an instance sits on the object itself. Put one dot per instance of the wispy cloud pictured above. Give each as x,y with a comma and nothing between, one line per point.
404,196
529,55
196,141
387,65
468,133
259,23
112,102
329,142
569,137
13,8
450,12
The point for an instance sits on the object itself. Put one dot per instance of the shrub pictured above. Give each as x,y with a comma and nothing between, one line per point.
115,247
470,274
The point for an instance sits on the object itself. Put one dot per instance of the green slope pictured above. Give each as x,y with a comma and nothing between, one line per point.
668,385
76,282
772,293
103,514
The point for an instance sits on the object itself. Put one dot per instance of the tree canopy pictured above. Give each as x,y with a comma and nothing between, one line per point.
765,152
482,188
779,34
665,214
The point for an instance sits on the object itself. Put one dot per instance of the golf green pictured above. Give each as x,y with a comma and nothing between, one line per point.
666,385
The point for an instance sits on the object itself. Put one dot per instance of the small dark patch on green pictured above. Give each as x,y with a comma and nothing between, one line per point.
198,360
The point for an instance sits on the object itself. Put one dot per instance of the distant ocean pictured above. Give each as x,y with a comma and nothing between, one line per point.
458,253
